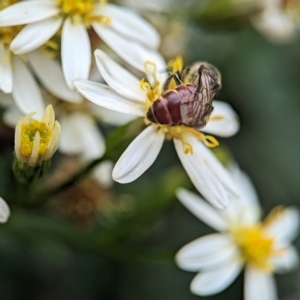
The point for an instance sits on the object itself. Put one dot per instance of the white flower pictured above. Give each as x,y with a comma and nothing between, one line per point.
128,95
37,141
4,211
262,247
276,20
15,77
125,32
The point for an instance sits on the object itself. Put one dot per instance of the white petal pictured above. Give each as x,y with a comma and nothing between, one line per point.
130,25
6,100
208,252
4,211
206,172
108,116
119,79
91,138
139,155
134,53
28,12
259,285
104,96
6,77
102,173
34,35
286,261
70,138
284,227
203,211
223,120
26,92
75,52
52,79
214,281
246,209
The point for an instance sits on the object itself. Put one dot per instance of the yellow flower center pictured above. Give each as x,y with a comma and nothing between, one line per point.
153,92
255,246
28,134
83,11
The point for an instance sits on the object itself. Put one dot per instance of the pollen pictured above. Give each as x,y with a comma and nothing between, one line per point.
36,141
28,134
256,248
82,11
180,132
175,65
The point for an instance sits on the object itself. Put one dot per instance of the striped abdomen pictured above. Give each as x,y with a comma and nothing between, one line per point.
166,109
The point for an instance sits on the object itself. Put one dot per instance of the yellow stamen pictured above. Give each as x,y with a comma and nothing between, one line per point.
36,140
256,248
82,11
175,65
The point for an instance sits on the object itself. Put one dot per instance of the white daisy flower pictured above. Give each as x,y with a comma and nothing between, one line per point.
4,211
263,247
277,20
15,77
125,32
128,95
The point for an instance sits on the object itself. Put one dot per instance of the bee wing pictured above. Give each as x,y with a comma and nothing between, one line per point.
196,108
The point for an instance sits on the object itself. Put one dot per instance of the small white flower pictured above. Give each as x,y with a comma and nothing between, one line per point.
37,141
128,95
4,211
125,32
276,20
262,247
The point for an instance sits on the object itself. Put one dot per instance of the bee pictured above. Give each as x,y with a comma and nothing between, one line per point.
187,97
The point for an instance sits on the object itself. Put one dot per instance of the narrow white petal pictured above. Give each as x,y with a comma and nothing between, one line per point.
28,12
6,100
104,96
285,227
203,211
206,172
75,52
246,209
259,285
208,252
102,173
91,138
223,120
119,79
6,76
134,53
130,25
70,142
286,261
26,92
4,211
214,281
52,79
34,35
139,155
109,117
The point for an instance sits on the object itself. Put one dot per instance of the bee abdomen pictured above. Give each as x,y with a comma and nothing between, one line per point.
166,109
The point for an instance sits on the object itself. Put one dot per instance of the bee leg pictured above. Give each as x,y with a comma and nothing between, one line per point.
172,82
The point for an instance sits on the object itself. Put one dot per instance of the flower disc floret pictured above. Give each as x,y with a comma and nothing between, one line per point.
255,246
36,141
82,11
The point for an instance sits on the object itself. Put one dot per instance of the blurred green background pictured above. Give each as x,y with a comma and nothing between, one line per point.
126,252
